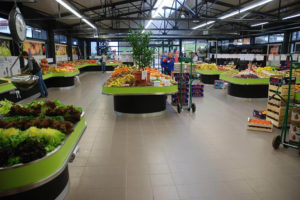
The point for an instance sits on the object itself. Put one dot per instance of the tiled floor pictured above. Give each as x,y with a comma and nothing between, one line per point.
208,155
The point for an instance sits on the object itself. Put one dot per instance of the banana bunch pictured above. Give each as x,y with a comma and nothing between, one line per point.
128,79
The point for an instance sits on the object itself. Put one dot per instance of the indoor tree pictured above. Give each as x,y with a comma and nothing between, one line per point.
141,53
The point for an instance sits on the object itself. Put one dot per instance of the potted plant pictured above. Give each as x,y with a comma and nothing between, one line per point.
141,53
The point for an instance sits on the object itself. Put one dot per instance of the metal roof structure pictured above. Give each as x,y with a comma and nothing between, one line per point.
171,18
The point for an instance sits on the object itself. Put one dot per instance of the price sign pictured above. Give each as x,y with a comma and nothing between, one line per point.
144,75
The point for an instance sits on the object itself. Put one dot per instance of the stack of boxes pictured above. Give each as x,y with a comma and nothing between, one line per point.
186,68
198,90
276,106
183,88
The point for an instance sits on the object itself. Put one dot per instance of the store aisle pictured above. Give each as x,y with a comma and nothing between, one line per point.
207,155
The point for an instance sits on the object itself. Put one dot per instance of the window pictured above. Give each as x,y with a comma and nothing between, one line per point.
276,38
28,32
292,48
74,41
201,45
294,36
113,47
36,33
62,39
261,39
4,28
188,46
93,48
238,42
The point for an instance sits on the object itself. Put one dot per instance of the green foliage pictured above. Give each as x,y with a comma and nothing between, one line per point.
141,52
5,106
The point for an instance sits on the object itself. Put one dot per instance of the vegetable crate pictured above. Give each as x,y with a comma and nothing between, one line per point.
259,125
259,114
198,90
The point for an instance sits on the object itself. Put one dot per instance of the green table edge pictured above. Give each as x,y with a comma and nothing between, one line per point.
139,90
244,81
10,86
210,72
23,176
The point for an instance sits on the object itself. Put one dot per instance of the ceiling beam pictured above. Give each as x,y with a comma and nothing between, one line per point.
101,7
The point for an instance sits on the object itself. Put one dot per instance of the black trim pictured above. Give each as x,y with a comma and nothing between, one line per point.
140,104
248,91
209,79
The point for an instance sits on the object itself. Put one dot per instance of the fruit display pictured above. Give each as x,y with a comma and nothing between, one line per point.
60,68
206,66
266,72
123,76
28,132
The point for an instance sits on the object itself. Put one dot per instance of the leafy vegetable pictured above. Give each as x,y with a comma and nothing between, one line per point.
51,138
30,150
5,106
10,137
5,154
13,118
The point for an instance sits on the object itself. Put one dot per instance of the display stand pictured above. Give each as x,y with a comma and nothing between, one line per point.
58,79
46,178
140,100
209,76
247,88
97,67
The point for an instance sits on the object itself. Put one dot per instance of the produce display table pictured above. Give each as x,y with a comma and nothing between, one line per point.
209,76
247,88
57,79
45,178
140,100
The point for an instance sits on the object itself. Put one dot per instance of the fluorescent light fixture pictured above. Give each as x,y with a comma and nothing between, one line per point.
245,9
89,23
69,8
291,16
259,24
255,5
204,24
229,15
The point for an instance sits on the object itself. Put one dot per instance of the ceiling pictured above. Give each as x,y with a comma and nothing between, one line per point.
114,18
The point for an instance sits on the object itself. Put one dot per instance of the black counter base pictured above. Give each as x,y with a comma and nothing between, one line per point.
209,79
48,191
140,104
60,82
248,91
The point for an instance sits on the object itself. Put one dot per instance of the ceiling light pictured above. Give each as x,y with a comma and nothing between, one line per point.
291,16
229,15
69,8
204,24
259,24
255,5
245,9
89,23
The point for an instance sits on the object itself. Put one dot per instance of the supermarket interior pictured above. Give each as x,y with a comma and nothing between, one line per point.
150,99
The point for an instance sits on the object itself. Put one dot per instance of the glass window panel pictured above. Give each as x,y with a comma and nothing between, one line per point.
294,36
74,41
261,39
298,35
246,41
113,44
276,38
188,46
28,32
93,48
4,28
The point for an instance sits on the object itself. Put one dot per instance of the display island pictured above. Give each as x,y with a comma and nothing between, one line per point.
134,96
250,83
35,148
209,73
